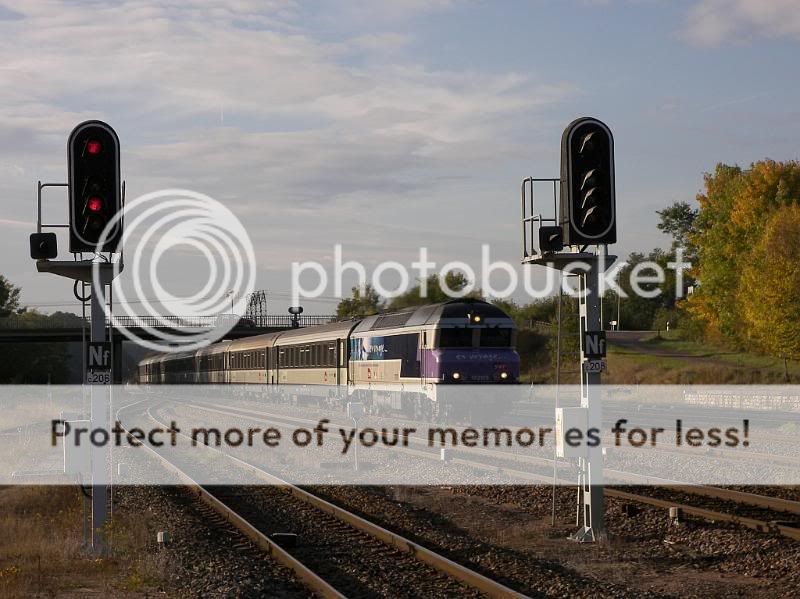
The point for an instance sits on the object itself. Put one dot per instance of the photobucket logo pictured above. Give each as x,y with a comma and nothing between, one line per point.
178,223
645,278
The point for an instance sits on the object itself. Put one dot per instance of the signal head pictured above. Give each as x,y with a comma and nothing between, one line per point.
588,214
94,187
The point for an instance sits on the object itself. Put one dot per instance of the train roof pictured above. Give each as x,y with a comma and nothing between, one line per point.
254,342
214,348
167,357
451,312
334,330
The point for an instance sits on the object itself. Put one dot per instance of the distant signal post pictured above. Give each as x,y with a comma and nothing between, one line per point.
579,236
95,194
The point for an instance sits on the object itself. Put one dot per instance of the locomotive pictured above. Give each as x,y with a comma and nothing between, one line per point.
408,362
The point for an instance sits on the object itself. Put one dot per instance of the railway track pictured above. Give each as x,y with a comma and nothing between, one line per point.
333,551
772,517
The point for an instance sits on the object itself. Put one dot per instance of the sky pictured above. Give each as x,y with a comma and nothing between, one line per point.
385,126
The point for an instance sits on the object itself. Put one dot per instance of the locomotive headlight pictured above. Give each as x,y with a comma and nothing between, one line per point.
503,375
476,319
456,375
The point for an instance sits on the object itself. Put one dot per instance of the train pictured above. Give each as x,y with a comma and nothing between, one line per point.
407,362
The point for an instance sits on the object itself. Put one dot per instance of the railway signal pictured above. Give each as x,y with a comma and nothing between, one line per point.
550,240
94,187
586,217
588,214
44,246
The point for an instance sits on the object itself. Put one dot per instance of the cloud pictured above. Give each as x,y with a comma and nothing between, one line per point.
298,131
713,22
196,96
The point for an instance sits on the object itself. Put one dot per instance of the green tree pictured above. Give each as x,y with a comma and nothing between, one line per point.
434,291
30,362
677,221
9,297
360,304
527,316
570,338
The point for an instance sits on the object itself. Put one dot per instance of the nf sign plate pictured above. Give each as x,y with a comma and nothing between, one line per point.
594,344
98,355
98,363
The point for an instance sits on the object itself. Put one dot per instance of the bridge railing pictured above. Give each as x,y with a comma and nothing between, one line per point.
73,321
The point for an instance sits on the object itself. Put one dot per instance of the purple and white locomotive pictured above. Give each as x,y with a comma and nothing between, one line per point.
404,362
407,360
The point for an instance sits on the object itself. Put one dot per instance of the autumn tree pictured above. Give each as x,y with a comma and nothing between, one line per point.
769,291
734,210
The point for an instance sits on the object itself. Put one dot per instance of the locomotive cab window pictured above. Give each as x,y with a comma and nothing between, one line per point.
455,337
497,337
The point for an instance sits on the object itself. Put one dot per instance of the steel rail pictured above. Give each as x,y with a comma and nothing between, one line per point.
762,501
439,562
262,541
711,515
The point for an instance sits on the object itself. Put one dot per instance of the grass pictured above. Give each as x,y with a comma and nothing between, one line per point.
42,553
667,358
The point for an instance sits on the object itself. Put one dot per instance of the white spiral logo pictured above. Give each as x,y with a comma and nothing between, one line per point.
162,225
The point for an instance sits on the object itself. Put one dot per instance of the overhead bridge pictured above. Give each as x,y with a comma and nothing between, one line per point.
38,328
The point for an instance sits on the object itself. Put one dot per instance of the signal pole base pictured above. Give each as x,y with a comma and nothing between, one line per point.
584,535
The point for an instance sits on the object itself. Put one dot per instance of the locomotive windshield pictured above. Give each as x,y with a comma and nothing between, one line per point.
496,337
474,337
455,337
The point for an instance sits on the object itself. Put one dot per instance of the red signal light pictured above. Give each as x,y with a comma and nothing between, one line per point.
93,147
94,204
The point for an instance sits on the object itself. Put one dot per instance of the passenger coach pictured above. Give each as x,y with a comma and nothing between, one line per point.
405,362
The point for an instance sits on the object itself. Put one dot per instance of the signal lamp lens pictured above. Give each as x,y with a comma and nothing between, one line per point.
94,204
589,145
94,223
503,375
93,147
590,179
456,375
